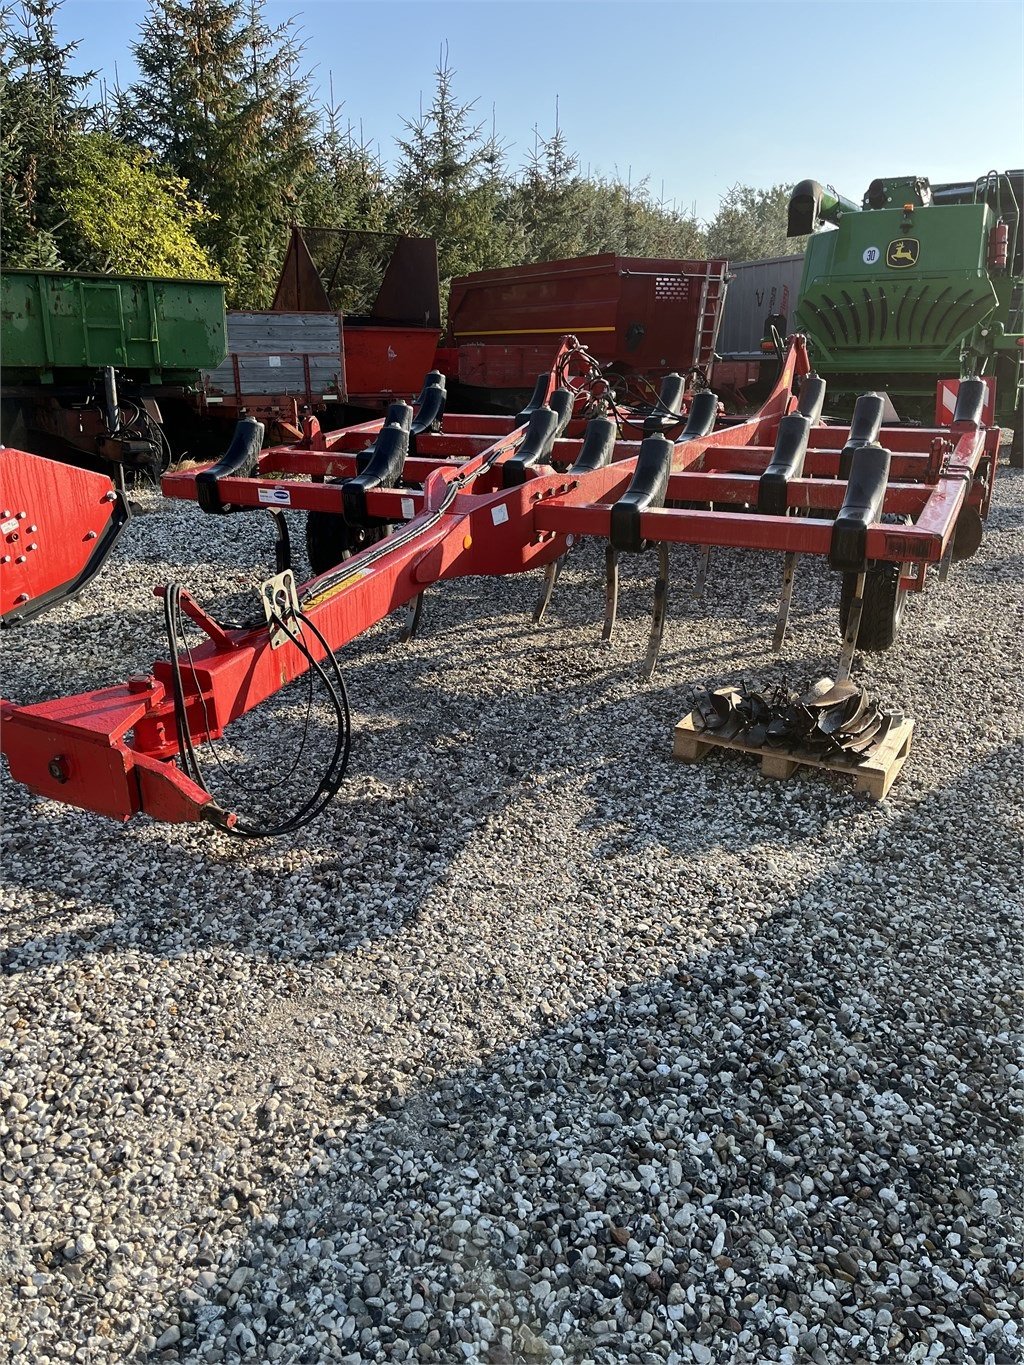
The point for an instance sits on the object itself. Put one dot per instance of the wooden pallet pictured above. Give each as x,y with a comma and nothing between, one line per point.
874,776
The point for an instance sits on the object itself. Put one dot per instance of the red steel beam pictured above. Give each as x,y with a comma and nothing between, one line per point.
818,463
810,493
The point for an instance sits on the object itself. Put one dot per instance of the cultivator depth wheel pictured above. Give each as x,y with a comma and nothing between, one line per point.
884,601
330,540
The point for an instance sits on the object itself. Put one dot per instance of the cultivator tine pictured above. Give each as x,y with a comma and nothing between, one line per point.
852,630
611,592
411,624
548,587
658,621
786,601
702,573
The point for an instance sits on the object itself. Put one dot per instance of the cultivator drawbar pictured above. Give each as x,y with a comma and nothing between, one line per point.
397,506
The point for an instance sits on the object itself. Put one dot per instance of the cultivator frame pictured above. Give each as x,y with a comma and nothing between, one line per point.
496,495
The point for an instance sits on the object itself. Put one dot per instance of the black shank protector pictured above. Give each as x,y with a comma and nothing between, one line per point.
970,403
812,397
666,412
703,414
647,489
864,429
862,507
430,411
787,463
561,401
382,470
598,445
240,460
534,448
537,400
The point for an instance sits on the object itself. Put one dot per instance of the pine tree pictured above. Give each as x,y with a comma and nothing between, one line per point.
348,186
42,108
553,198
751,224
223,100
448,182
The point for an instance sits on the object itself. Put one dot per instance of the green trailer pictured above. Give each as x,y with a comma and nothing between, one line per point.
158,331
89,361
917,284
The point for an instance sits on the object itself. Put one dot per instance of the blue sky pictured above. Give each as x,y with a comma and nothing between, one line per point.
696,96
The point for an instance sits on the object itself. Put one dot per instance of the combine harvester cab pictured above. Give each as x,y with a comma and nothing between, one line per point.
441,496
916,287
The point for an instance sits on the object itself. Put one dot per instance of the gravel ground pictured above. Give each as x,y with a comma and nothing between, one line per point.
539,1045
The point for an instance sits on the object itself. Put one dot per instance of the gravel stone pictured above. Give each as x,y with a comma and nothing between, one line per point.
538,1046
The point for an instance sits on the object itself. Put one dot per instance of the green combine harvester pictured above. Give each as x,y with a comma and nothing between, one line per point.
917,284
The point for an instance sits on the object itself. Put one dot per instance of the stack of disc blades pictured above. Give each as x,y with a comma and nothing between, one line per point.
826,719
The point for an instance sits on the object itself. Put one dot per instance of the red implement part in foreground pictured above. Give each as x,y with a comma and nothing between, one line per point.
112,751
58,524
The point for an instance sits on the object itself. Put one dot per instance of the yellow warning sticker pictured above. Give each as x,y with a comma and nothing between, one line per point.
337,587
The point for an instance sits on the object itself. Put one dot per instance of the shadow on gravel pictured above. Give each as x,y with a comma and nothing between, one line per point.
746,1152
389,840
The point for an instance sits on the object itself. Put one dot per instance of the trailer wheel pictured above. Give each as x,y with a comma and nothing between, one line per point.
330,540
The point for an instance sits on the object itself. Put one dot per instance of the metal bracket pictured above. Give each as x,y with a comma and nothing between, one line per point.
280,599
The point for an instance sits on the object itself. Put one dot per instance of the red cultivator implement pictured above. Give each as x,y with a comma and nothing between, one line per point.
400,505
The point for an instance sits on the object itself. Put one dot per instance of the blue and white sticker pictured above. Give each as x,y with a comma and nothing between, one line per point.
872,254
278,497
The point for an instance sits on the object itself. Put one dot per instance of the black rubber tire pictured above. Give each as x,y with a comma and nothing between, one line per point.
330,540
883,606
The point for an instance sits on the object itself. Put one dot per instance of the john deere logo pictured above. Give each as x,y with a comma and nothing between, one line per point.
902,253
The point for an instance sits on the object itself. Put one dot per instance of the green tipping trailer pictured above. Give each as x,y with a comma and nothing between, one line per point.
88,359
919,283
159,331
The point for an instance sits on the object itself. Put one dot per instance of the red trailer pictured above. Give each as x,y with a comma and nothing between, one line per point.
640,317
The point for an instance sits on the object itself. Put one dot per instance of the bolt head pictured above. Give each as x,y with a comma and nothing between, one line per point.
58,768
